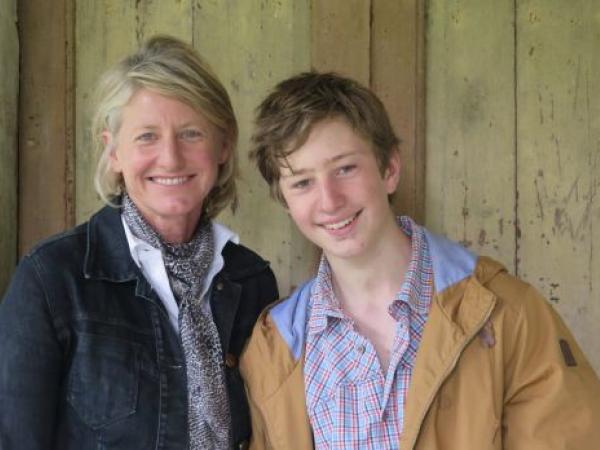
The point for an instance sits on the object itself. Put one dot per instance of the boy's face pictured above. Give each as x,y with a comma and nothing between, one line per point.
335,191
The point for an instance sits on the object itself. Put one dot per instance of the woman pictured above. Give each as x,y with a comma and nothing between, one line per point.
124,332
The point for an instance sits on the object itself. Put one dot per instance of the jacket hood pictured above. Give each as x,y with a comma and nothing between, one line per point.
452,264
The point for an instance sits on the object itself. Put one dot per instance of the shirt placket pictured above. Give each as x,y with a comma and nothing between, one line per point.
401,343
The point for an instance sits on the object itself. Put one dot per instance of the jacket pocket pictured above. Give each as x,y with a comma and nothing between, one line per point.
103,379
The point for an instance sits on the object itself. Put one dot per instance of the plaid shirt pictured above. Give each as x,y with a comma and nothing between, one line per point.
351,403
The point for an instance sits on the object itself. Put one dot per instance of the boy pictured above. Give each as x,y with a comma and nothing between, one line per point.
403,339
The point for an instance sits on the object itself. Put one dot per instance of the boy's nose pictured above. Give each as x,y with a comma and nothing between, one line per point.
331,196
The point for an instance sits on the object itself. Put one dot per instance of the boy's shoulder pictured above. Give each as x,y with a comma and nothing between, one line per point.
284,322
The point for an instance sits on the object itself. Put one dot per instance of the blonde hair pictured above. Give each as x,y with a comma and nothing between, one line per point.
172,68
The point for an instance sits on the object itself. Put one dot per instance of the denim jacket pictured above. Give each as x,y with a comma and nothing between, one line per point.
88,358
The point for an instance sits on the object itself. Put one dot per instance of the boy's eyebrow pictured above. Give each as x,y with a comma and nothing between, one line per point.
294,172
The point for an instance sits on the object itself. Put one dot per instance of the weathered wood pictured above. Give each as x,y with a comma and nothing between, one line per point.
252,45
397,77
107,31
341,37
558,162
45,159
470,183
159,17
9,88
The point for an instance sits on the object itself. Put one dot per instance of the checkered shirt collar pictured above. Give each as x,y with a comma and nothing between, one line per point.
325,306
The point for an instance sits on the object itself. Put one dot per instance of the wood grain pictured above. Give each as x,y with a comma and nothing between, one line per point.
558,162
9,88
470,182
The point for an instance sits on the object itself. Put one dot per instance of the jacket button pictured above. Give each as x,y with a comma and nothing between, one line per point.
231,360
244,445
219,286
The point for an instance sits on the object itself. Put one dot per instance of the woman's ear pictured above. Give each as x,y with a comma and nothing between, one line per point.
110,147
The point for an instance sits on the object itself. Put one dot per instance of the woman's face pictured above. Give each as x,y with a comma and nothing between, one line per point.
169,156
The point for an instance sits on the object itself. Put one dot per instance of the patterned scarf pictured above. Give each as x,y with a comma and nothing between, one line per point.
187,265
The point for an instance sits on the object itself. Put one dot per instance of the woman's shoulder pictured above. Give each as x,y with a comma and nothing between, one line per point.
240,261
60,244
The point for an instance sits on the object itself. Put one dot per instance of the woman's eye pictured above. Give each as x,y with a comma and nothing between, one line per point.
146,137
191,134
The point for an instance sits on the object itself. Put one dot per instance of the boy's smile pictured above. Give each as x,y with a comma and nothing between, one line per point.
336,193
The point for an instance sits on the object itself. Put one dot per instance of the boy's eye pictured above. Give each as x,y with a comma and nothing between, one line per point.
344,170
301,184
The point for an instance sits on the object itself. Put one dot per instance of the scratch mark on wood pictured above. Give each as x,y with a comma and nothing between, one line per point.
481,240
538,199
587,103
465,215
556,142
139,23
577,76
553,295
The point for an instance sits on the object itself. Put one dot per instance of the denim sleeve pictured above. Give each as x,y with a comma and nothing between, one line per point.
30,363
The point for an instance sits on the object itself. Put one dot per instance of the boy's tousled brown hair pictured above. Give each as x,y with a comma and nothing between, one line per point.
286,117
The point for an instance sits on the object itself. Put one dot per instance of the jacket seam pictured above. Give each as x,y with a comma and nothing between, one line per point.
446,374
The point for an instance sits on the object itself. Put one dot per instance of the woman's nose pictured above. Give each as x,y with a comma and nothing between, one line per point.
170,153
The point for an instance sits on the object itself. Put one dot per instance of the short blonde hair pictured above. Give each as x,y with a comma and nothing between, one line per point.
172,68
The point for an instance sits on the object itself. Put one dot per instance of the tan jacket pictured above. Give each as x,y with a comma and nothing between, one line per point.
496,369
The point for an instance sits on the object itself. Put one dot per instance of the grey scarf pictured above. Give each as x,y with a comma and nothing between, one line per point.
187,265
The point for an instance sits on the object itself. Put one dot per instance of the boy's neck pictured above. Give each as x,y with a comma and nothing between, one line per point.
374,279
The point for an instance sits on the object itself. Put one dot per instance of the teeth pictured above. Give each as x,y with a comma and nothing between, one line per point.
171,181
338,225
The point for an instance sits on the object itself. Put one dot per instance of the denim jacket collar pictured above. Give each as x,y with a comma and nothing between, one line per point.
107,254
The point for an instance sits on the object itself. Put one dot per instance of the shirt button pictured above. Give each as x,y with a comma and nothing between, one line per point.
231,360
360,349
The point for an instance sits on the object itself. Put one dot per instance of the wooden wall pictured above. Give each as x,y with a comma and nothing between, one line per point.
9,90
513,120
513,143
251,44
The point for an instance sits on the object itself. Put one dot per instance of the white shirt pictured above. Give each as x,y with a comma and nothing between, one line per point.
150,261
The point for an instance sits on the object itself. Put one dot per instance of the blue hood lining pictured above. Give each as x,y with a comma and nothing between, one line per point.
451,264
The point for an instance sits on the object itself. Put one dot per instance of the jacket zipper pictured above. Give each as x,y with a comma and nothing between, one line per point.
449,370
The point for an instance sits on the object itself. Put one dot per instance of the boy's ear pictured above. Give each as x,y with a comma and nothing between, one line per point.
391,175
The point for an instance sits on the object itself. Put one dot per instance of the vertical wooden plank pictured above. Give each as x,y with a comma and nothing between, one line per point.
45,172
104,33
252,45
559,158
159,17
9,89
470,185
107,31
397,77
341,37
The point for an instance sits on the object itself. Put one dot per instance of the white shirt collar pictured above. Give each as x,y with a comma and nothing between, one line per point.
149,260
